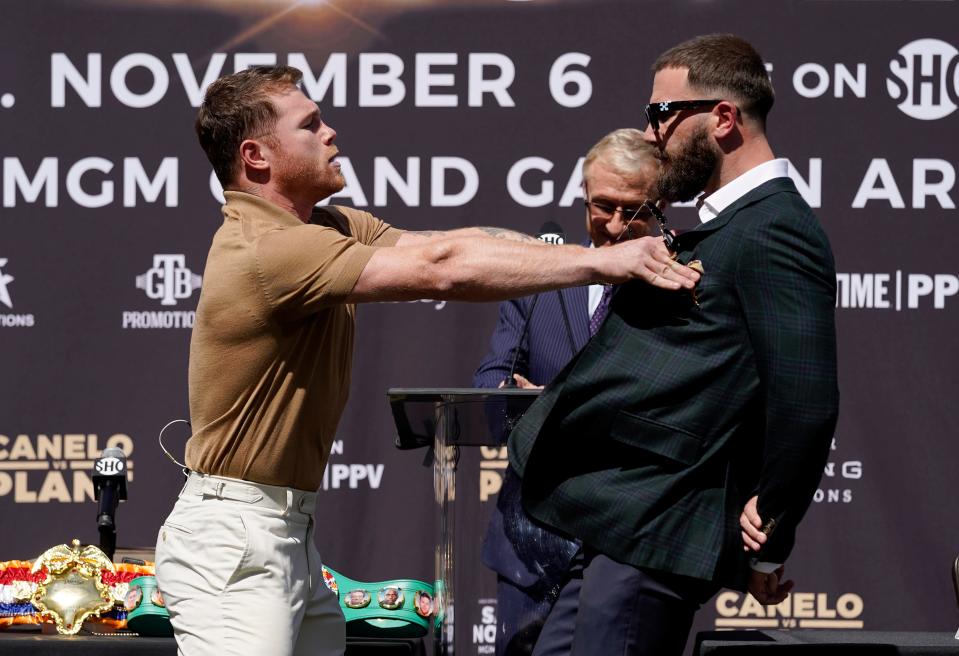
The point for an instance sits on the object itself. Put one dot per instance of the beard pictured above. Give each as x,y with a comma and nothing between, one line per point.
310,177
685,174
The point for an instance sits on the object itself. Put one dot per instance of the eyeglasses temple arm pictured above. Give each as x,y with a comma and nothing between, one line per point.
668,236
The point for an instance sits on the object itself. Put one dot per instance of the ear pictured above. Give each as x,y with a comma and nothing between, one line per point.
726,115
253,155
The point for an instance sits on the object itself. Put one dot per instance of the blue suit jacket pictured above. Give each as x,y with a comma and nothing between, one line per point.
548,345
518,550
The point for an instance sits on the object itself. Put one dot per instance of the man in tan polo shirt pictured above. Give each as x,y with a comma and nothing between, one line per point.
271,351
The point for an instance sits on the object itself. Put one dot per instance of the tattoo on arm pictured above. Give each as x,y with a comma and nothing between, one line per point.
503,233
495,233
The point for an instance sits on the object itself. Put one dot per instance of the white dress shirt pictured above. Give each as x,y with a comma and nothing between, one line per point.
710,206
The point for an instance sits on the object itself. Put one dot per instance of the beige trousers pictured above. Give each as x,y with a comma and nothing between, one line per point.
236,564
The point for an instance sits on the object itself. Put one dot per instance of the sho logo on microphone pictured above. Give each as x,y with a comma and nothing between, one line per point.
925,79
109,466
552,233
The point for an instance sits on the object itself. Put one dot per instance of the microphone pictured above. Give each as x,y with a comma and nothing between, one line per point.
109,488
550,233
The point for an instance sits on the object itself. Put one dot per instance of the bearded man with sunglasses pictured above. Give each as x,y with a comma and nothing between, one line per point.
684,444
533,340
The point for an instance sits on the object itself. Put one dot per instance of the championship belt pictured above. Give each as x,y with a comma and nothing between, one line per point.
146,609
400,608
67,586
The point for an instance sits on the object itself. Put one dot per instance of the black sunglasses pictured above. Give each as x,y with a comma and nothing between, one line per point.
662,110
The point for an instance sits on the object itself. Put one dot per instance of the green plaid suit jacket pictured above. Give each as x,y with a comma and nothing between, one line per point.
648,444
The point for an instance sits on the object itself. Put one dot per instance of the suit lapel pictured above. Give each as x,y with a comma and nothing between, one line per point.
577,304
774,186
576,300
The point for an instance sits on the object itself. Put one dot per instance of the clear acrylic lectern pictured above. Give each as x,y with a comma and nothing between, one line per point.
465,482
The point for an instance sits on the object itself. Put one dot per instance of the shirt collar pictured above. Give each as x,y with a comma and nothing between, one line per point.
712,205
239,203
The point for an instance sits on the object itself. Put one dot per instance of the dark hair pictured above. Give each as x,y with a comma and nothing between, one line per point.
724,65
238,107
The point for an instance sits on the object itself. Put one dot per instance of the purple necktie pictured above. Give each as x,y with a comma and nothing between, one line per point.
599,315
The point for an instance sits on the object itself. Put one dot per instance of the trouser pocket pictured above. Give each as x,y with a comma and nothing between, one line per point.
200,547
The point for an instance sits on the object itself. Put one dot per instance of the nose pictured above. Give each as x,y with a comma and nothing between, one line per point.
650,135
616,222
330,134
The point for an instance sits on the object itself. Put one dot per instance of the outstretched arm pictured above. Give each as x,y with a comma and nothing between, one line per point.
465,265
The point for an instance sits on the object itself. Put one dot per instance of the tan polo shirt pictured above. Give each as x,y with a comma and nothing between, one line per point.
272,344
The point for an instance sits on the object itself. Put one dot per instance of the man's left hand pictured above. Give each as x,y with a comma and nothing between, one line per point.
769,589
751,523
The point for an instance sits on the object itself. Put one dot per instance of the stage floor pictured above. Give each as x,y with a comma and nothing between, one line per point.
821,641
18,643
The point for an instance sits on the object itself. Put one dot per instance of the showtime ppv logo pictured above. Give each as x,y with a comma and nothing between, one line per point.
804,610
168,281
925,79
897,290
352,476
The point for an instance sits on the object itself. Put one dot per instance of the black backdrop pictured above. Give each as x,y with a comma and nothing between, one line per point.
108,210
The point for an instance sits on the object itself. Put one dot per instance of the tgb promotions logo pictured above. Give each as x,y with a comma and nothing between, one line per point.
925,79
8,319
167,281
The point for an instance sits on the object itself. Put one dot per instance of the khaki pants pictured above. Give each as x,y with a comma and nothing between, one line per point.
236,564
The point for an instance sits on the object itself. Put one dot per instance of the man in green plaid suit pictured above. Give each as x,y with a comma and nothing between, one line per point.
692,431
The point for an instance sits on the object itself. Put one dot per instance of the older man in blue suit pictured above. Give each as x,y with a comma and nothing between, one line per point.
619,174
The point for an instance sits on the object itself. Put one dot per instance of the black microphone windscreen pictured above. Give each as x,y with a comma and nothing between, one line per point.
112,462
552,233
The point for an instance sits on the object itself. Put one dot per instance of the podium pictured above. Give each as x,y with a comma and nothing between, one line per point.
463,430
